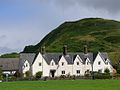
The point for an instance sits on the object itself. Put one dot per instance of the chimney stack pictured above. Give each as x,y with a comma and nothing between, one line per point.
85,49
43,50
65,50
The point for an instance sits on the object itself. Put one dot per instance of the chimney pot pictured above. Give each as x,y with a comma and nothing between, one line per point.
85,49
43,50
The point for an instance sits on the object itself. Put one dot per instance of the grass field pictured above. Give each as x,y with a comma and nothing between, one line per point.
62,85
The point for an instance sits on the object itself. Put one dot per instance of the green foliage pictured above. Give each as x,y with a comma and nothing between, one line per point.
11,55
38,74
87,75
27,73
73,77
102,76
17,74
107,71
63,76
0,71
45,78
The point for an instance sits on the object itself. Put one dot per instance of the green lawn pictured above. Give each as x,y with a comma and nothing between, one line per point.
62,85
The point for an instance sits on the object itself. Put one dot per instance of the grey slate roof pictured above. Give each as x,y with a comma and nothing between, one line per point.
9,64
55,56
30,57
70,57
105,57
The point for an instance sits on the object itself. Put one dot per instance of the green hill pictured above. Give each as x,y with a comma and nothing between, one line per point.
10,55
99,34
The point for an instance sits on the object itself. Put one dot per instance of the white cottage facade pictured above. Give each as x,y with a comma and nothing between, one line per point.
57,64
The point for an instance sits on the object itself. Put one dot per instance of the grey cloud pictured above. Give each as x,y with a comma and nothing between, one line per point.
112,6
4,50
3,36
109,5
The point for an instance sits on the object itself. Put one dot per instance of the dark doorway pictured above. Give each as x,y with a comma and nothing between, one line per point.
52,73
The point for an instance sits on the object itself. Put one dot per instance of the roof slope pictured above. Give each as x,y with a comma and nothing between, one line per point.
70,57
27,56
8,64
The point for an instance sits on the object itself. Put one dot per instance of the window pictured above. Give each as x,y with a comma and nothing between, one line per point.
100,70
40,64
106,63
63,72
23,66
52,63
26,65
62,63
99,63
78,71
77,63
87,63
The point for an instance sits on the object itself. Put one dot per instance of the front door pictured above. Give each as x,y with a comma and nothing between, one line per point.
52,73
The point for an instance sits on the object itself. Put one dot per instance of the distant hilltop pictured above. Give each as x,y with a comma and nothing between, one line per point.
97,33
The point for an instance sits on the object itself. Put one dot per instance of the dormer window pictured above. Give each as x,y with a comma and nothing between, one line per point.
40,64
87,63
26,65
52,64
77,63
106,63
62,63
99,63
23,66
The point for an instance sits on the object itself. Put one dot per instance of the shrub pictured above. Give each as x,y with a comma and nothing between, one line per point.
12,78
21,75
27,73
102,76
68,75
38,74
118,71
107,71
45,78
17,74
63,76
87,75
73,77
116,75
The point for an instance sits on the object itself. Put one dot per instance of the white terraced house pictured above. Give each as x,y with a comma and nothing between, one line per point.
56,64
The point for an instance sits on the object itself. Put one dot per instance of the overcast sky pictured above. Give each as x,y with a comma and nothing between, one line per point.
26,22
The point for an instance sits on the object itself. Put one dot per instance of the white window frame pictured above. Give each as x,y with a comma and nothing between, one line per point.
63,72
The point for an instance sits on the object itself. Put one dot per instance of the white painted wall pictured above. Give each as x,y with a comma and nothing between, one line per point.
44,66
26,66
67,68
87,66
102,66
78,67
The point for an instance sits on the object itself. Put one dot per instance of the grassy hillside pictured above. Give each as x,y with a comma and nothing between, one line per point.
99,34
10,55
